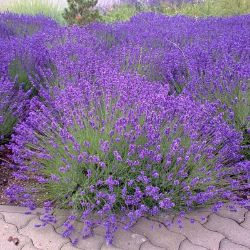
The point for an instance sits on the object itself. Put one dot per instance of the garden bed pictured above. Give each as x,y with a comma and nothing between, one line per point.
143,117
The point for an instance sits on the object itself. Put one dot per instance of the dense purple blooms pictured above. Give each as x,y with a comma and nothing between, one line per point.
24,66
14,25
127,117
199,149
206,58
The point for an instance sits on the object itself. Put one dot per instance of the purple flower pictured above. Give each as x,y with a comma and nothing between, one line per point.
117,156
166,204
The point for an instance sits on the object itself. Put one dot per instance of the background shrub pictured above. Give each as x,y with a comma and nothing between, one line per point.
81,12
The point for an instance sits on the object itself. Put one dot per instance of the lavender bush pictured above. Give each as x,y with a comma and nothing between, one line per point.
125,144
129,119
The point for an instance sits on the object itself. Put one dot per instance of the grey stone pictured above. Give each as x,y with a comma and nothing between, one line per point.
30,246
9,235
20,220
68,246
198,235
237,215
128,240
158,234
233,231
21,210
148,246
43,237
199,215
147,234
91,243
228,245
109,247
124,239
187,245
246,223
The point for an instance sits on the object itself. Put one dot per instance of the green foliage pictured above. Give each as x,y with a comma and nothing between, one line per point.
7,122
246,143
122,13
33,7
239,112
17,70
81,12
22,76
203,9
208,8
238,107
74,180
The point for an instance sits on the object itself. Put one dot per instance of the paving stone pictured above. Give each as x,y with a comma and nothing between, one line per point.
59,221
187,245
22,210
99,230
233,231
61,215
198,235
91,243
148,246
20,220
246,223
69,246
124,239
147,234
30,246
7,231
158,234
53,240
228,245
238,215
199,215
109,247
163,218
128,240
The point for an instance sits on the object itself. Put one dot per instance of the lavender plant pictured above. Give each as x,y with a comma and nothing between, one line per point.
24,68
127,147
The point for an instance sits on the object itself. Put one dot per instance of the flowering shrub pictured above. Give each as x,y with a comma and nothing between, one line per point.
127,147
81,12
